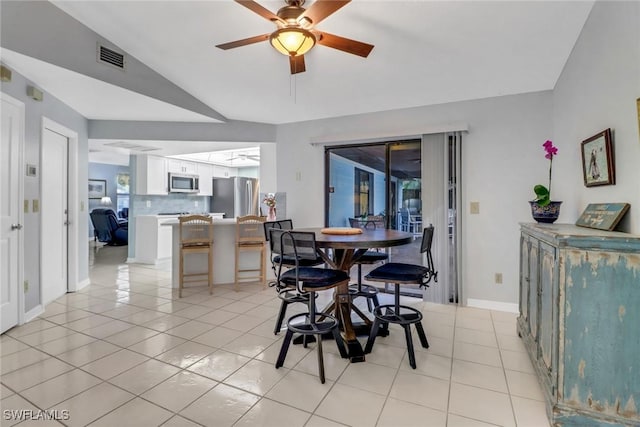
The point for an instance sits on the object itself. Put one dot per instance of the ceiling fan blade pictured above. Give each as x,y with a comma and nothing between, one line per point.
243,42
297,64
344,44
256,8
320,9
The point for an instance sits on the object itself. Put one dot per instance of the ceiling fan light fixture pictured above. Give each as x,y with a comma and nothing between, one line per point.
292,41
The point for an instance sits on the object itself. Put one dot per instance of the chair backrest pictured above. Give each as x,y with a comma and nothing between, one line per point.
283,224
105,223
427,239
196,230
296,244
249,229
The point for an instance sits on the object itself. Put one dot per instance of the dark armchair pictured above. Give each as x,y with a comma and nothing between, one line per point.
108,229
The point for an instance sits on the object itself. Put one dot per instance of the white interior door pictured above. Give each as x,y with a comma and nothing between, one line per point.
54,256
10,146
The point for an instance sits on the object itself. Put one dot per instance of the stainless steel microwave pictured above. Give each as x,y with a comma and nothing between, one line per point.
183,183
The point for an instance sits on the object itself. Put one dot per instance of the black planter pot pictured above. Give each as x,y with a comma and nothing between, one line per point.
545,214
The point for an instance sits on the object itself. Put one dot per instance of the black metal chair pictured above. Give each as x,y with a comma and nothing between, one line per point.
307,280
400,273
287,294
369,257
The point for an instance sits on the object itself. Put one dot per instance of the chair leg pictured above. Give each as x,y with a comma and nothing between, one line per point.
320,359
422,335
412,356
281,314
181,275
372,336
283,350
237,265
340,343
210,262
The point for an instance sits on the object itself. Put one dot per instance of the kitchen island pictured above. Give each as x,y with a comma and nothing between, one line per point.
224,241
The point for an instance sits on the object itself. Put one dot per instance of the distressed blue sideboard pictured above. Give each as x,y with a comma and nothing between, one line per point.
580,322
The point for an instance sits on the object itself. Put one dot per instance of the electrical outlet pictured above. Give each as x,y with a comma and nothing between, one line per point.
474,208
148,203
26,286
498,278
26,206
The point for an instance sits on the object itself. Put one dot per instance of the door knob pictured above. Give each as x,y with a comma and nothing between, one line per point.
16,226
67,223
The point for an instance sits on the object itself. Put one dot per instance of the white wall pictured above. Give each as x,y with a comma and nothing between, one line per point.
598,89
502,160
55,110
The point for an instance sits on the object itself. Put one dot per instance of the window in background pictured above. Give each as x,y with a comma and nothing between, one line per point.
363,193
122,190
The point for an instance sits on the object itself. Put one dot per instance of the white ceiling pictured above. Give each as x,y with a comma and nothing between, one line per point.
426,52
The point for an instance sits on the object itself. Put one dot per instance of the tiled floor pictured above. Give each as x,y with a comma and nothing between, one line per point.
125,351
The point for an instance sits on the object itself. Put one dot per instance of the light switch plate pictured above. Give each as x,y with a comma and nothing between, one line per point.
26,206
474,208
35,205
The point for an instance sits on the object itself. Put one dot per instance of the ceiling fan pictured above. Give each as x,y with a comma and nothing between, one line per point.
244,156
296,33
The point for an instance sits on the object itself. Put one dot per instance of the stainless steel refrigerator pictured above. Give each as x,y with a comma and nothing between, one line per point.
237,196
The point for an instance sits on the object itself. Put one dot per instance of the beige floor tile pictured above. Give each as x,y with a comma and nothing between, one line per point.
193,312
440,346
10,345
506,328
60,388
294,355
53,309
471,336
397,413
5,391
217,317
475,324
363,406
131,336
43,423
481,404
88,353
473,313
386,355
179,391
172,307
66,343
88,322
190,329
288,391
217,337
164,323
93,403
178,421
265,329
69,316
114,364
517,361
370,377
504,316
36,373
108,329
429,364
248,345
243,323
479,375
316,421
261,311
411,387
141,378
20,359
477,353
524,385
219,365
45,335
29,328
186,354
218,302
529,413
240,307
157,344
511,343
458,421
143,316
334,365
268,413
207,409
14,403
134,413
256,377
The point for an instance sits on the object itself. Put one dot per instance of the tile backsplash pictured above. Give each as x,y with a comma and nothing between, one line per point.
151,205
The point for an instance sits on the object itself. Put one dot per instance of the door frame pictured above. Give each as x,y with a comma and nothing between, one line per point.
21,142
73,202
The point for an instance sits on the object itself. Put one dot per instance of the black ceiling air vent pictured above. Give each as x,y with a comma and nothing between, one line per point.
111,57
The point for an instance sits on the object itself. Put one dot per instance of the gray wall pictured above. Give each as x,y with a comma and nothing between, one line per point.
59,112
598,89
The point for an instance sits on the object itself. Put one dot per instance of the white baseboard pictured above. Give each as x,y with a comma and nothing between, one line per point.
86,282
493,305
33,313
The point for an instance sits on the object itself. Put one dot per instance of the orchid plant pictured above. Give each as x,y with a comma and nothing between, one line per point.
543,194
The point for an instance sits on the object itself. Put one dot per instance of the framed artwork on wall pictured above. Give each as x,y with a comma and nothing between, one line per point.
597,160
97,188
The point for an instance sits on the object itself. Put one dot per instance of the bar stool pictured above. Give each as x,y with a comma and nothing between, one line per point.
307,280
369,257
397,273
250,237
196,237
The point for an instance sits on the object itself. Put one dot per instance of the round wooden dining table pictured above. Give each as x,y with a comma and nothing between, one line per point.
341,252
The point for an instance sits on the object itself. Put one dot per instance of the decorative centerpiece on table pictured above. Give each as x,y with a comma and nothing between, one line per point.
270,201
543,209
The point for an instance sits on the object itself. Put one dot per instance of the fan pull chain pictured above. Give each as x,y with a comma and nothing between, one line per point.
293,89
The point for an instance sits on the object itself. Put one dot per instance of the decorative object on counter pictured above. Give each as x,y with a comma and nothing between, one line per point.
270,201
597,160
542,208
602,216
97,188
339,231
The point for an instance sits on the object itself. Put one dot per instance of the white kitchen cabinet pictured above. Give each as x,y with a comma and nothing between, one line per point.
151,175
182,166
153,239
222,172
205,171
